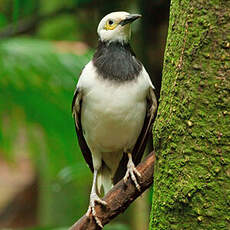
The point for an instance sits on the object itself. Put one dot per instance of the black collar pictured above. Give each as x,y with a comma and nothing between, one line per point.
116,61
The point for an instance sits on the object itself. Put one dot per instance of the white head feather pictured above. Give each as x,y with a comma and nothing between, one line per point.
115,31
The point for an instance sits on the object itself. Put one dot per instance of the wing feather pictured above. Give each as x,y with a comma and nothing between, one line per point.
140,145
76,111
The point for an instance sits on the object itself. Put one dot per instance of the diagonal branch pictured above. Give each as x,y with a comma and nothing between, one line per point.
119,197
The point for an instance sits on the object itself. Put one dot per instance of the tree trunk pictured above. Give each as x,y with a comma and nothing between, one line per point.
192,131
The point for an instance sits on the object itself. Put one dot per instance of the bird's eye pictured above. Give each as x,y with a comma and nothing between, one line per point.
110,25
110,22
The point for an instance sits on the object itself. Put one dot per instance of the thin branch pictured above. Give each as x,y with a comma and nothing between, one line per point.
119,197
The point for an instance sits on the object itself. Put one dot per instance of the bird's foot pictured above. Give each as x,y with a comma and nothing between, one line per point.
132,172
93,200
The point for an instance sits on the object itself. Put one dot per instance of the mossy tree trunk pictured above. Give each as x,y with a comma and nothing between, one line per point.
192,131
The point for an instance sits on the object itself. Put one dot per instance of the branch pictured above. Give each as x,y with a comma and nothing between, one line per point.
119,197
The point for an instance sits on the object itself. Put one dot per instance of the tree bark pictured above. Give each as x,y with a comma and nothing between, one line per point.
192,130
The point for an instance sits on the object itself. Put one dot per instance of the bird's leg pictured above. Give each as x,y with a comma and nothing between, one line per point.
94,198
131,171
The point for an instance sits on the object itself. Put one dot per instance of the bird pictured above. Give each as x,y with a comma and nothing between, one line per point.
113,107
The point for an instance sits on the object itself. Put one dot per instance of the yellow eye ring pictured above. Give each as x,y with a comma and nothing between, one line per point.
110,25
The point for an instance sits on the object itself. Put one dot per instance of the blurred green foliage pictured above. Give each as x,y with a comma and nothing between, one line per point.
59,28
36,77
37,85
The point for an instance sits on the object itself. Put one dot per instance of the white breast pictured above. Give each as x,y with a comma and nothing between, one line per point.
112,113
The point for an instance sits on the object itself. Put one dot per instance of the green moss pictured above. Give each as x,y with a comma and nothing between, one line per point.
191,133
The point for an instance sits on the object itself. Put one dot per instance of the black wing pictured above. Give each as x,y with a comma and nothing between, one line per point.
140,145
76,111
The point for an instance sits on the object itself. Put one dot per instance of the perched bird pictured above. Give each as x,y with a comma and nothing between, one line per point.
113,108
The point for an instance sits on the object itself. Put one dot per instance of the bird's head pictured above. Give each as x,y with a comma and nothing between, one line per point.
116,26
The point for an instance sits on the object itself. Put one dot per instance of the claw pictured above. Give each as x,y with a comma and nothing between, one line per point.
93,200
131,171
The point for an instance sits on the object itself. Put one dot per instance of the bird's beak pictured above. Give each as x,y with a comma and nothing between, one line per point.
130,18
